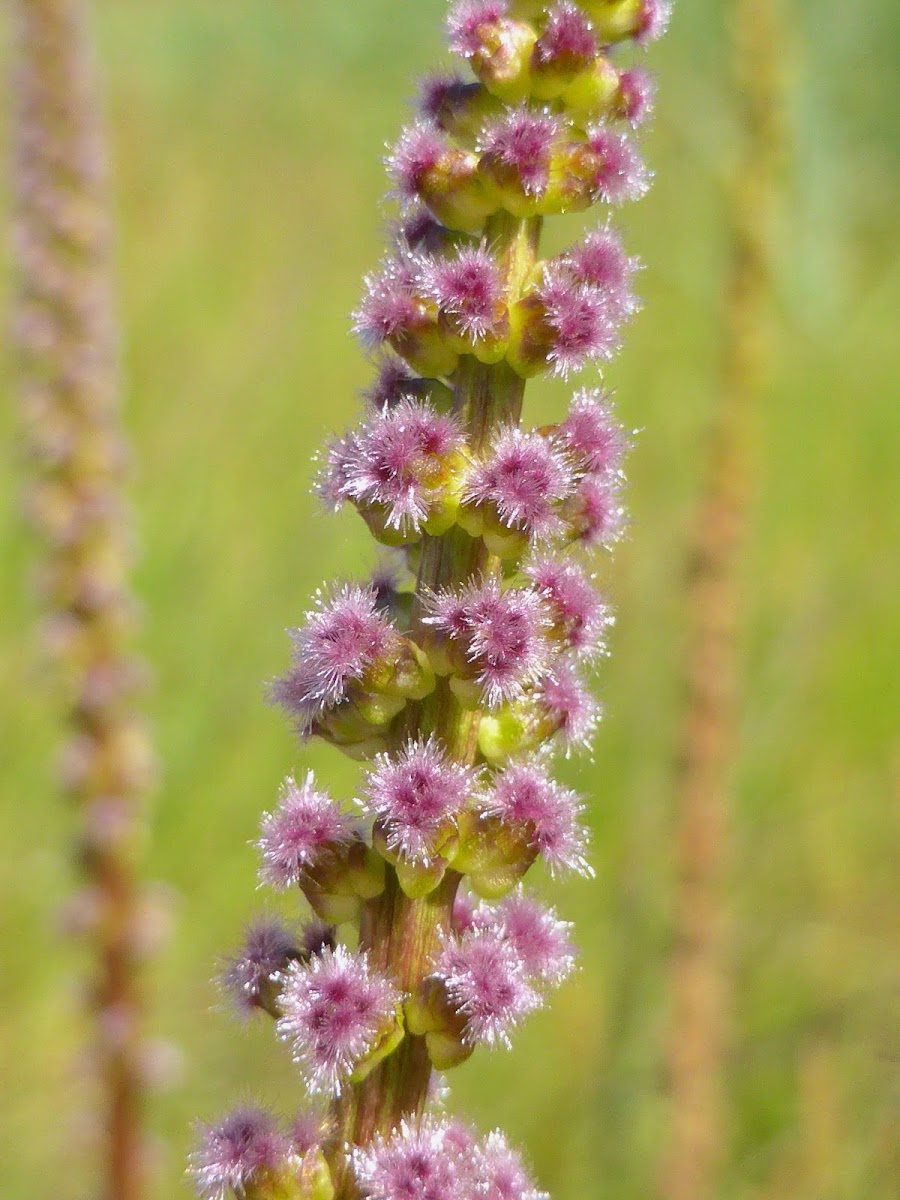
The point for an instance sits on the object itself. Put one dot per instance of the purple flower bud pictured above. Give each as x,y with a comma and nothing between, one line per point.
600,262
525,795
335,1009
581,324
420,149
567,706
485,981
391,384
525,479
417,795
517,149
617,173
390,309
580,617
591,435
568,44
595,513
654,20
541,940
344,637
397,460
424,1162
468,22
268,946
305,828
502,635
469,288
636,91
501,1173
247,1148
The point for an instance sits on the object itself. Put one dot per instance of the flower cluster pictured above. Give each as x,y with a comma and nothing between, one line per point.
458,669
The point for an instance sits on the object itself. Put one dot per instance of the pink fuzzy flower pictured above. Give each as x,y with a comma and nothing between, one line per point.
595,513
636,89
343,638
654,19
470,288
524,795
485,981
591,435
617,170
579,614
501,1173
468,22
245,1148
503,635
335,1008
600,261
566,704
581,324
268,946
521,144
306,827
538,936
390,307
396,460
426,1161
419,150
525,478
568,42
416,795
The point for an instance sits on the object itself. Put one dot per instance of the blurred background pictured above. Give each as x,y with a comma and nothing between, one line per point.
247,141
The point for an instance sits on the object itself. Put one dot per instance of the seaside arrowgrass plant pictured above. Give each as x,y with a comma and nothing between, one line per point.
64,335
455,672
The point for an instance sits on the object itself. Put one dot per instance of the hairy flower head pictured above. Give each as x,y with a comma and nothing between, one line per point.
306,827
525,795
244,1149
417,795
525,478
486,982
343,638
335,1008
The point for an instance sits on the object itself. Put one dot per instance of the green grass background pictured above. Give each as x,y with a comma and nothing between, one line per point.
247,138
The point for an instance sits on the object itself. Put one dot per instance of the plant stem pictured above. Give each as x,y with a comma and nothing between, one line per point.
400,934
70,391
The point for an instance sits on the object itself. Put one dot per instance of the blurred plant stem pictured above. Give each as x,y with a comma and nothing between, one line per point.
69,386
698,1032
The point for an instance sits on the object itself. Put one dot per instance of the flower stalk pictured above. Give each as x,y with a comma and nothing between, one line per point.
70,390
459,669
